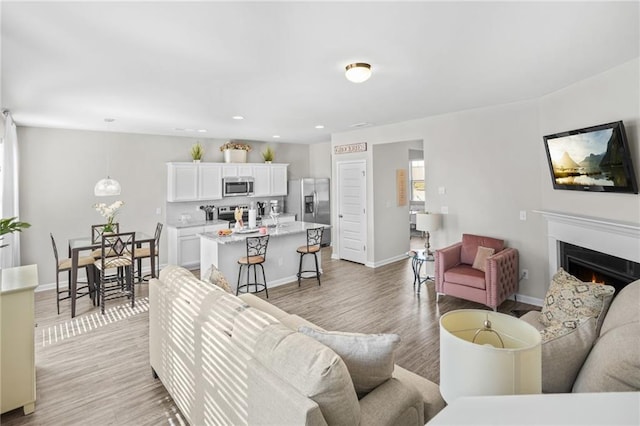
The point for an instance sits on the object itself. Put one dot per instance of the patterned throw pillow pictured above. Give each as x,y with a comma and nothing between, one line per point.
569,299
215,277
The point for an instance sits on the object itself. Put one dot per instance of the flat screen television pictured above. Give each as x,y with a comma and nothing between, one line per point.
592,159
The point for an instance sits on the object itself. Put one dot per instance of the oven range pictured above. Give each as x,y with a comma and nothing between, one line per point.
227,213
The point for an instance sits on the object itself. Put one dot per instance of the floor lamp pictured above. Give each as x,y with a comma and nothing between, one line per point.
428,222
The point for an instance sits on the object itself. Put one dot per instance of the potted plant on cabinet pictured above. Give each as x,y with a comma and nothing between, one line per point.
9,226
235,152
197,151
268,155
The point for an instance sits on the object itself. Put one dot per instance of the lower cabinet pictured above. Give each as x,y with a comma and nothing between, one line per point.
17,351
184,244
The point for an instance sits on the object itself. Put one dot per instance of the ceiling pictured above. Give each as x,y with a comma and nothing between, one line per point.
160,66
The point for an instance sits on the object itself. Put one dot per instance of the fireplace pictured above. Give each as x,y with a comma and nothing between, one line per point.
594,266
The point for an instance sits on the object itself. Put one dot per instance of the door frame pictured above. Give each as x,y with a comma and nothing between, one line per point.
364,225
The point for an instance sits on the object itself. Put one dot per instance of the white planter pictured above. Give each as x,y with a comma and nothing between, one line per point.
235,156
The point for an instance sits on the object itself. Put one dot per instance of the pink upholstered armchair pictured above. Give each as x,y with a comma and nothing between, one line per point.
457,276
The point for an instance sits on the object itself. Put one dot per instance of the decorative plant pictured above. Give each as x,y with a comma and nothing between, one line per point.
235,145
11,225
268,154
109,212
197,151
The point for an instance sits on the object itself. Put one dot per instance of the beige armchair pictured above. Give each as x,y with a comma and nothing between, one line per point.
479,269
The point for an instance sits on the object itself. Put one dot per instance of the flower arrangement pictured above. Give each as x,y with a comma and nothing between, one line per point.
235,145
108,212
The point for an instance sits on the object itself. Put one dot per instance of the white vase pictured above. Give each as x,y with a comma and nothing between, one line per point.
235,156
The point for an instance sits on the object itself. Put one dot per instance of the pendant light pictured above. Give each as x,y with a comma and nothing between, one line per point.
107,187
358,72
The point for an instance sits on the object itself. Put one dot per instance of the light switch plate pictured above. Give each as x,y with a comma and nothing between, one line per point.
523,215
444,210
442,190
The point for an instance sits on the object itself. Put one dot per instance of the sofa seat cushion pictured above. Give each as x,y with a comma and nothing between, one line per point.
433,401
313,369
369,357
465,275
564,349
569,299
614,362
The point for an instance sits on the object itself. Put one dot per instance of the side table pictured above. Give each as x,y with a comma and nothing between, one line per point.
418,258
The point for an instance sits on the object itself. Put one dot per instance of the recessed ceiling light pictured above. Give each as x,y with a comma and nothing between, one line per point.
202,130
358,72
238,117
363,124
276,136
319,126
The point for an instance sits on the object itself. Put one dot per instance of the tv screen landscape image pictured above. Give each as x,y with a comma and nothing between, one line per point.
592,159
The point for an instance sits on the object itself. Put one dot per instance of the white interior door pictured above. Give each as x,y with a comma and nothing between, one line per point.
352,219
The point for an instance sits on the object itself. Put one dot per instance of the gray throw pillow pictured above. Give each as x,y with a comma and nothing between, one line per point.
369,357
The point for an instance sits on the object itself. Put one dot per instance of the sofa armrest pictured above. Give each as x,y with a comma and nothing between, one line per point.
501,276
392,403
446,259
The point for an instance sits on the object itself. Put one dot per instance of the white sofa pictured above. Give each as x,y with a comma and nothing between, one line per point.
239,360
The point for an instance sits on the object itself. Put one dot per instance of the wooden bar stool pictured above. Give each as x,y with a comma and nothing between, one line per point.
314,238
256,256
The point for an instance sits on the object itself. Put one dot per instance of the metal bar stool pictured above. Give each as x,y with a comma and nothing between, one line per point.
145,252
117,254
256,256
314,238
64,265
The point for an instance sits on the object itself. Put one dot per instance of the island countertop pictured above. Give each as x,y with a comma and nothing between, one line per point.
289,228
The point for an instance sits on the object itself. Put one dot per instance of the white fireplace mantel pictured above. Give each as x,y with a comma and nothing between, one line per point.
620,239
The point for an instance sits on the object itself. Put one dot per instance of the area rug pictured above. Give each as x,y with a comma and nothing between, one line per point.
86,323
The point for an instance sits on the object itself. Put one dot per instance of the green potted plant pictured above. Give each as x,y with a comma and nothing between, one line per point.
10,225
197,151
268,155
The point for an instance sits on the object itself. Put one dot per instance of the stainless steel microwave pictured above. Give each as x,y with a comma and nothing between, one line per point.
237,186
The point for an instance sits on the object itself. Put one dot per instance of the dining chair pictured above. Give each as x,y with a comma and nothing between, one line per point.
256,256
145,252
116,268
96,236
64,265
314,238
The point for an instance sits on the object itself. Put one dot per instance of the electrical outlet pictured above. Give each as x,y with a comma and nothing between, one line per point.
525,274
158,211
523,215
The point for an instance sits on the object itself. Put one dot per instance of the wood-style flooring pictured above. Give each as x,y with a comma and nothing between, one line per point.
103,377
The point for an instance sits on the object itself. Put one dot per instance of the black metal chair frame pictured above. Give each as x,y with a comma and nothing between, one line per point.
156,242
314,239
89,287
98,230
256,246
118,252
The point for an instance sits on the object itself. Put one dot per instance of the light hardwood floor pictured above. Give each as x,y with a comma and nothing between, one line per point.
103,377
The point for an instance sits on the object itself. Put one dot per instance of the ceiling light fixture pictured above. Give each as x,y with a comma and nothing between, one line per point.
276,136
107,187
358,72
238,117
319,126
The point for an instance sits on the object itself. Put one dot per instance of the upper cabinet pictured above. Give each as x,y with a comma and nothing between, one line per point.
194,181
203,181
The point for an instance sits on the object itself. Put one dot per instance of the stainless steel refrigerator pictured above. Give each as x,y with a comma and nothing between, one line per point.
308,198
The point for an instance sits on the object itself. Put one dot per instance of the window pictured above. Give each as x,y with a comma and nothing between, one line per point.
416,180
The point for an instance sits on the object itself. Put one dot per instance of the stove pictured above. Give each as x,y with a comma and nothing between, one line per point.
227,213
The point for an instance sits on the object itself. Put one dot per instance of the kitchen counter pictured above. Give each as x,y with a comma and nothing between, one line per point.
194,223
282,260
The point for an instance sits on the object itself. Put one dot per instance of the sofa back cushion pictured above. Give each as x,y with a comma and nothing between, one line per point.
313,369
624,309
470,244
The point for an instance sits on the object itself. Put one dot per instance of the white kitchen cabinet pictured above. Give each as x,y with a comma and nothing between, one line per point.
261,180
184,244
194,181
279,179
17,350
236,169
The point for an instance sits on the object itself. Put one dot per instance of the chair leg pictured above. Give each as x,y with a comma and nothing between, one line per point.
300,269
317,268
239,275
266,290
58,291
131,284
248,276
102,291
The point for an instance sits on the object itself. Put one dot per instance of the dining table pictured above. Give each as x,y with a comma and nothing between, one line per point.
80,244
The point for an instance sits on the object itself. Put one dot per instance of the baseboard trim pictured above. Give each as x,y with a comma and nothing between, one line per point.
530,300
387,261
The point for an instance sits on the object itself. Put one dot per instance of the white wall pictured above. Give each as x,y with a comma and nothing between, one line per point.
59,168
320,160
492,164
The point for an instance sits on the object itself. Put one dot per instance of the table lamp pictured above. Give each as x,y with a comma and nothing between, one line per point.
428,222
488,353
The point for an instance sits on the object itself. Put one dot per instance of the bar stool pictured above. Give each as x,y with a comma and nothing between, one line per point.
256,256
118,253
96,236
145,252
314,238
64,265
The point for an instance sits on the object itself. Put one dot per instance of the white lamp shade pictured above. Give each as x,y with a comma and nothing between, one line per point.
107,187
428,222
358,72
480,368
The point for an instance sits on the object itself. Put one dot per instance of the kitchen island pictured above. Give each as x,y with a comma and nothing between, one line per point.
282,260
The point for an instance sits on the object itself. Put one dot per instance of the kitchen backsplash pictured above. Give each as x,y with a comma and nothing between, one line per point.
175,211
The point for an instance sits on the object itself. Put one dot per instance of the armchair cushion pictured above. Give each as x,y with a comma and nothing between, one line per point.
466,275
470,244
482,255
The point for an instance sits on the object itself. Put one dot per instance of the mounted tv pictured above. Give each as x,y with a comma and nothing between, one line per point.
592,159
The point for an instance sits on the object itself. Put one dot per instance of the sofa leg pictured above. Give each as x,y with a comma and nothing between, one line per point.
153,373
437,297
